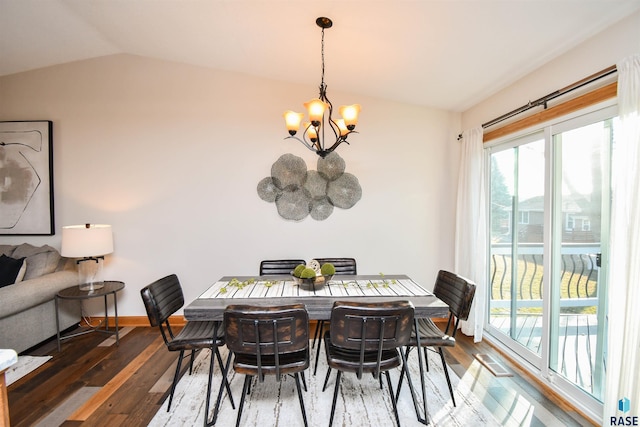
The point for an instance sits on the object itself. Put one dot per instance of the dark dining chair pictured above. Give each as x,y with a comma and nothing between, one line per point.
344,267
162,299
268,341
457,292
279,266
365,338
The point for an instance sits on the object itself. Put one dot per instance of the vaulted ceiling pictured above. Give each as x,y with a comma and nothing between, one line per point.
442,53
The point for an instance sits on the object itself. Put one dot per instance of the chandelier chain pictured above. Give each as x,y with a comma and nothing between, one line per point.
322,55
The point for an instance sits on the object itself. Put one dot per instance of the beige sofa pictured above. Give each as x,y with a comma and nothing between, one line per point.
27,308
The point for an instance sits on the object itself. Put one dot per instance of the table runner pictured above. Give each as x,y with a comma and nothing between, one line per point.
282,288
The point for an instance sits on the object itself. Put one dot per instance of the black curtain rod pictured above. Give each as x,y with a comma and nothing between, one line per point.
545,99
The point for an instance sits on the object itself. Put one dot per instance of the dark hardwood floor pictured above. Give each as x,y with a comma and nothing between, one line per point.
125,385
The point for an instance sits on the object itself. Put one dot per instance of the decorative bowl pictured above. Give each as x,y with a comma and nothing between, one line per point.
312,283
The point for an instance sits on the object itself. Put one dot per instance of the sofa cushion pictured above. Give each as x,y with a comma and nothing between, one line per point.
31,293
10,268
40,260
7,249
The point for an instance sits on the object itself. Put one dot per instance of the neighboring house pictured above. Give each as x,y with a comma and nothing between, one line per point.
580,219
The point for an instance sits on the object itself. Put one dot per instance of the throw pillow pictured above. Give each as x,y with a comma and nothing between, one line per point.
9,269
41,260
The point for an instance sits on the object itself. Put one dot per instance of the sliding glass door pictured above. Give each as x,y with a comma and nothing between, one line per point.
580,232
517,225
549,219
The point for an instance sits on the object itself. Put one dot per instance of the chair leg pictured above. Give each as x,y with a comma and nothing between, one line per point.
321,333
206,405
304,381
224,382
304,413
335,397
175,379
225,369
193,356
393,399
317,334
414,397
401,379
446,373
425,350
245,387
326,379
402,372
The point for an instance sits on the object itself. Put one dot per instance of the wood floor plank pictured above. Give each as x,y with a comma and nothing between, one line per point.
59,414
133,399
97,399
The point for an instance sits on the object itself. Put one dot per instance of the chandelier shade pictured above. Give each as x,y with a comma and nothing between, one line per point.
350,114
315,134
293,120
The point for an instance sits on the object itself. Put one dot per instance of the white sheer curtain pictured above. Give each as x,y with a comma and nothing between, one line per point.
623,354
471,228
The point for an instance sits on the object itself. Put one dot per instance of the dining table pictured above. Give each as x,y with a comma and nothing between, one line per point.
318,300
282,290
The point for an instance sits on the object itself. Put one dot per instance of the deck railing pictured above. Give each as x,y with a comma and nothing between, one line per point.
579,275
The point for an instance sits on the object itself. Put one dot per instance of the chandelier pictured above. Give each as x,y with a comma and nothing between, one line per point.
315,136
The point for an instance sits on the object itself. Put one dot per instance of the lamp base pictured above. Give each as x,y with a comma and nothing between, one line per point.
90,273
91,286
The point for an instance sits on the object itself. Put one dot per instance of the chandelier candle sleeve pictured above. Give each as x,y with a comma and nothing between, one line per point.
316,136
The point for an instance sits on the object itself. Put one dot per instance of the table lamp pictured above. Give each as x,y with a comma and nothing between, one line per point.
90,243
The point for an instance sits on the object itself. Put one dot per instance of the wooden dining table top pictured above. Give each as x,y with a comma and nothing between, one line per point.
283,290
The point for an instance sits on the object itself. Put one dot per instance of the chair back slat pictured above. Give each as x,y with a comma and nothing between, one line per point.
279,266
162,298
344,266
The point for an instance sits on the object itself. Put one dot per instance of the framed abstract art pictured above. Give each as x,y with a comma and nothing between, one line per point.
26,178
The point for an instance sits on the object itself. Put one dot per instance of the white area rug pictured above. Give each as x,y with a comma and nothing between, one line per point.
24,365
360,403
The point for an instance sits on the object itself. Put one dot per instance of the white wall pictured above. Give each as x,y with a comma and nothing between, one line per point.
171,155
597,53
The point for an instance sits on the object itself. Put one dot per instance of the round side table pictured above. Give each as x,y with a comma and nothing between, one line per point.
75,293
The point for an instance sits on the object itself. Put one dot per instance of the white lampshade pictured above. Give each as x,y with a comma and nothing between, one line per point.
89,240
